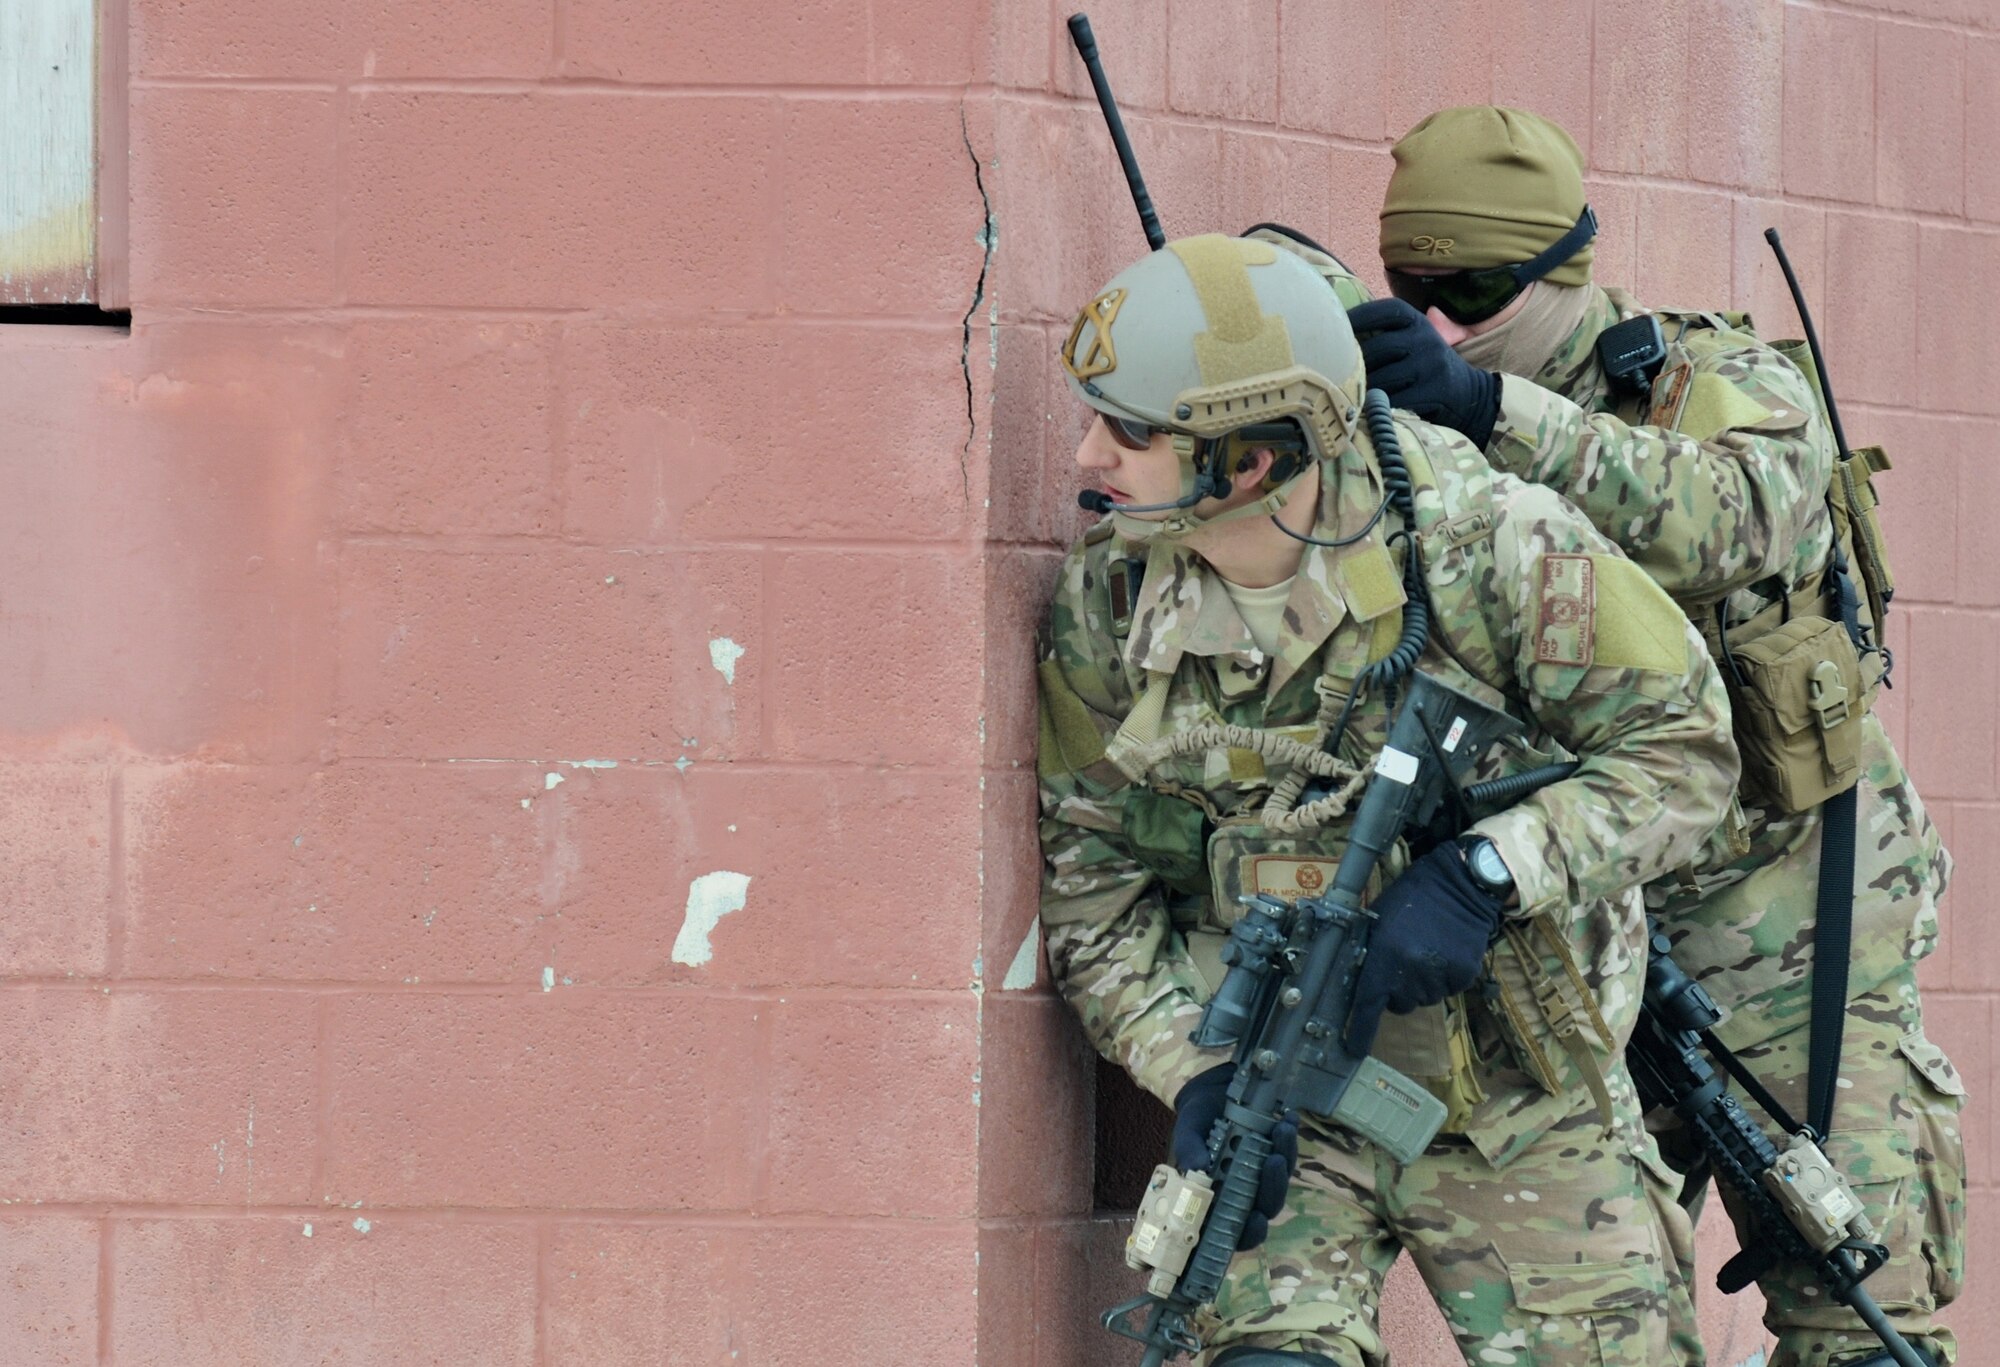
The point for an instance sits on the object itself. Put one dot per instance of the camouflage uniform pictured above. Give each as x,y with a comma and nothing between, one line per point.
1543,1219
1727,507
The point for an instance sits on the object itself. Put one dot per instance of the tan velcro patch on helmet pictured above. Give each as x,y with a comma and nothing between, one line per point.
1566,616
1242,340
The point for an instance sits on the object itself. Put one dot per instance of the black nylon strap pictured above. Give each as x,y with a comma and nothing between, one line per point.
1833,936
1759,1093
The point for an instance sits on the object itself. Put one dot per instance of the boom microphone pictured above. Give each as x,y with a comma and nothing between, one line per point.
1099,502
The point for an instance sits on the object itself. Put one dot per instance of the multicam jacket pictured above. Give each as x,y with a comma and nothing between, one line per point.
1532,610
1724,502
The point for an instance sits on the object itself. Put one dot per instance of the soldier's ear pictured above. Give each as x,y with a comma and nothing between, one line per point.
1252,467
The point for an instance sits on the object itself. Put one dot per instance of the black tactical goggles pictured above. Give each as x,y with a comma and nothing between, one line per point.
1468,297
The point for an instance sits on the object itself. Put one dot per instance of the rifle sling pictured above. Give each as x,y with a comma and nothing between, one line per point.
1832,949
1760,1094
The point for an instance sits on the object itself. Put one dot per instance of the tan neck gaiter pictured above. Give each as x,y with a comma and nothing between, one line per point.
1524,343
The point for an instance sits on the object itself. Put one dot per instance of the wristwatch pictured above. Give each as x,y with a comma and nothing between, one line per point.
1488,869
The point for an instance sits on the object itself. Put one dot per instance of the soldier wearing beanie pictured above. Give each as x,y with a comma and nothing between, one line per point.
1704,453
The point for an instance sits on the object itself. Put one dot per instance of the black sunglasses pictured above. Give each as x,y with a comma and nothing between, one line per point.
1129,433
1468,297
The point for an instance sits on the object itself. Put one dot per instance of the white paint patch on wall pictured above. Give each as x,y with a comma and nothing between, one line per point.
723,653
1021,973
710,898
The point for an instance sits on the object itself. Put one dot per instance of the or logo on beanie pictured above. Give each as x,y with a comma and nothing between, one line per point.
1433,246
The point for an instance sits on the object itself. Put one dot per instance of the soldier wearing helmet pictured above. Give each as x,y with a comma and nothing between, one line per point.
1705,454
1278,552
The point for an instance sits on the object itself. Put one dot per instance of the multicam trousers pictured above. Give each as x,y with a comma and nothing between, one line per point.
1896,1136
1570,1256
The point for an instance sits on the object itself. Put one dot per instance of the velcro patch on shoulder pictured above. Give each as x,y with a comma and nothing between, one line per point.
1069,741
1714,405
1566,615
1638,626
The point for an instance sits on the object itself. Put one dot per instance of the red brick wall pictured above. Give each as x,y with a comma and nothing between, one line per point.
498,372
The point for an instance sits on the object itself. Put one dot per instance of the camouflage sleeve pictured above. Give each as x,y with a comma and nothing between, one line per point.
1613,671
1730,494
1112,947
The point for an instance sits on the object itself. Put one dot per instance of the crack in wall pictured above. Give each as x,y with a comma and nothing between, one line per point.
978,294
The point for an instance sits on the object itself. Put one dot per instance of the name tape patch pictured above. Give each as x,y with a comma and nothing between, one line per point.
1566,629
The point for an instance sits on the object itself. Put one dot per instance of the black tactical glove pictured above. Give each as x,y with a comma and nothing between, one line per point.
1432,927
1196,1109
1409,362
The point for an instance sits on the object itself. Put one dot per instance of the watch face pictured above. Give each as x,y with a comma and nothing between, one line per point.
1487,865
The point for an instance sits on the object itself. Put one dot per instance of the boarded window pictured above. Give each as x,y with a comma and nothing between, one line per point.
48,152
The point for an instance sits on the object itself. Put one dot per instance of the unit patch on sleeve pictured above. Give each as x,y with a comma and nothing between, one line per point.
1566,617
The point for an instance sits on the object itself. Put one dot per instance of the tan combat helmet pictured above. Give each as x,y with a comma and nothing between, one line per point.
1210,336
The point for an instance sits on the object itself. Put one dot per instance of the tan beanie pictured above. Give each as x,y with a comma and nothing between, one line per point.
1483,186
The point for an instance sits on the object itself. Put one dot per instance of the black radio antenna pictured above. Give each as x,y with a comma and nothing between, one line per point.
1086,48
1812,341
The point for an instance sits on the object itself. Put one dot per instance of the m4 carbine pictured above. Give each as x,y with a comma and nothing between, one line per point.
1802,1208
1284,1005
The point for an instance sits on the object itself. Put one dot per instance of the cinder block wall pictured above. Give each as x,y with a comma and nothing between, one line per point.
517,712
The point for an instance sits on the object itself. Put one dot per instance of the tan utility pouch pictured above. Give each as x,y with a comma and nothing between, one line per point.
1246,857
1799,691
1431,1046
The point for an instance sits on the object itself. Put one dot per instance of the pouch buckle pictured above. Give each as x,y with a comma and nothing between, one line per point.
1828,695
1557,1013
